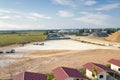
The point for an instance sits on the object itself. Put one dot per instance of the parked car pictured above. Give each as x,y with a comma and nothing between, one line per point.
1,52
41,44
35,44
10,51
38,43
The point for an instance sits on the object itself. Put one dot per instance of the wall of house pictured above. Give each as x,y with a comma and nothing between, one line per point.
18,77
69,79
104,76
89,74
74,78
115,68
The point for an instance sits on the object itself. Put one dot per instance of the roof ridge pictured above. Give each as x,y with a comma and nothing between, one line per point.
97,65
24,74
64,70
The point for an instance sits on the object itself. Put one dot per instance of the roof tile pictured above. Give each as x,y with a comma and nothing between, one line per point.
115,62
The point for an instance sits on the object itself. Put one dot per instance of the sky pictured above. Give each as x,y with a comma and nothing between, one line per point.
59,14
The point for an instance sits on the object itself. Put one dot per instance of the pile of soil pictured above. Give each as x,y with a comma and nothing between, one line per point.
98,34
114,37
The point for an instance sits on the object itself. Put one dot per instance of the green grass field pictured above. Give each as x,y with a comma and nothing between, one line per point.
8,39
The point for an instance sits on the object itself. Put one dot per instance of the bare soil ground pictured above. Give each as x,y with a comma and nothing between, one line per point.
97,40
44,61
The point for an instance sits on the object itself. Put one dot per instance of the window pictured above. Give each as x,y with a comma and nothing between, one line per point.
101,76
118,69
93,75
76,79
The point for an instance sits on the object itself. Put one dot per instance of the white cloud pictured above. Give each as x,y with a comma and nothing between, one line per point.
95,19
16,26
63,13
32,18
9,17
90,2
37,16
17,16
7,11
109,6
5,26
5,17
64,2
83,12
74,3
4,11
16,20
11,14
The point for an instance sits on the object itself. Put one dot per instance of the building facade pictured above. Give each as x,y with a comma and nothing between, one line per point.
101,72
115,65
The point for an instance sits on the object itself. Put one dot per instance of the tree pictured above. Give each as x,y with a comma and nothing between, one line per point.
83,70
95,73
50,77
108,65
46,33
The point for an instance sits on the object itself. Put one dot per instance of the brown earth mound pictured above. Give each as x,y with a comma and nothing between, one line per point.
114,37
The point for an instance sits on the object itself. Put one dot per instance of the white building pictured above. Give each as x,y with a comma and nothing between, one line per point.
102,72
115,65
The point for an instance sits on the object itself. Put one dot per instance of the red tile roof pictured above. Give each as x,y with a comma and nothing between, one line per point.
29,76
62,73
100,68
115,62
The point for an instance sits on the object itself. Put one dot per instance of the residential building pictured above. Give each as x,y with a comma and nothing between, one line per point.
65,73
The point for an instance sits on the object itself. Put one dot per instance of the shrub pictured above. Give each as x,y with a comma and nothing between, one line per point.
50,77
108,65
83,70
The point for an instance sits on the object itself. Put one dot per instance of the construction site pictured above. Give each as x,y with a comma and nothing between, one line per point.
44,56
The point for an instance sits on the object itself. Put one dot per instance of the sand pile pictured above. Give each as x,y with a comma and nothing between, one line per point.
98,34
114,37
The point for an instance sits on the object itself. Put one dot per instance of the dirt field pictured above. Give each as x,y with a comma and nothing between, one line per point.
63,45
45,61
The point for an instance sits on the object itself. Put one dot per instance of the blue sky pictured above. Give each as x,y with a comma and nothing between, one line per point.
59,14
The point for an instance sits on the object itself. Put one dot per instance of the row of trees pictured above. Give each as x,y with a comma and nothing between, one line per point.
81,32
